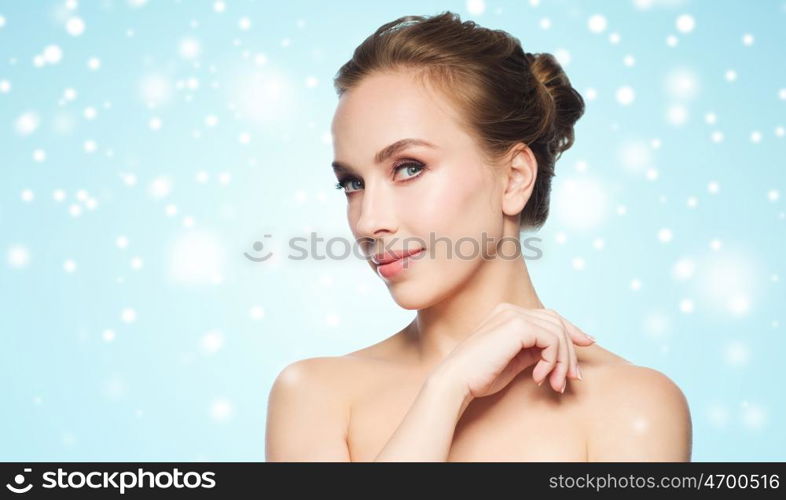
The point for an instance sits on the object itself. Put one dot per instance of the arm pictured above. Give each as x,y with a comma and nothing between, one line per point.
641,415
306,421
426,432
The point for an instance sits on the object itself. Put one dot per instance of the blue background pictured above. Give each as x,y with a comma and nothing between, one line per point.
133,327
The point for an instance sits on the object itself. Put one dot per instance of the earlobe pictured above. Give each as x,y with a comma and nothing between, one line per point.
521,172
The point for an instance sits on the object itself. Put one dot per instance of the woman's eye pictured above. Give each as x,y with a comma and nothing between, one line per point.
343,183
348,184
351,183
407,166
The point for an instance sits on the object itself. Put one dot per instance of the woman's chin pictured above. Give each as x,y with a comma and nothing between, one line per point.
418,294
410,297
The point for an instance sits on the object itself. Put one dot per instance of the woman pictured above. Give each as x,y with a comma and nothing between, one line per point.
445,138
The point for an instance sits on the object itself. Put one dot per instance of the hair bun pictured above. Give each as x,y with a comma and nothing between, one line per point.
568,104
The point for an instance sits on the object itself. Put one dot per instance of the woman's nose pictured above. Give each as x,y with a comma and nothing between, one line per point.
377,212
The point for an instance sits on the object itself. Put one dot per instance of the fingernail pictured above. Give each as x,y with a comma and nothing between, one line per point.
564,384
578,372
589,337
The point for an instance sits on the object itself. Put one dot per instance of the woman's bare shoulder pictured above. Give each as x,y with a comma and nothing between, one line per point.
609,376
610,373
308,411
342,375
595,356
633,412
321,372
345,373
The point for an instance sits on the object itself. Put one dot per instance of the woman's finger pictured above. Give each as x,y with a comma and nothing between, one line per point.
559,370
556,320
574,361
548,342
553,329
559,377
578,332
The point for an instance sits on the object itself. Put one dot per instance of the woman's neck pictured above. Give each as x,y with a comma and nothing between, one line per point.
436,330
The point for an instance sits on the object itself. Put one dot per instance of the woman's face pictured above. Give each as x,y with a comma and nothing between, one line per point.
442,198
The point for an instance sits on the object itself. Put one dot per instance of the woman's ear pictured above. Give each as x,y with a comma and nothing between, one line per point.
520,171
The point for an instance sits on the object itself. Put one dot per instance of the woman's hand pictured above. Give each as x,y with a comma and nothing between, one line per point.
509,340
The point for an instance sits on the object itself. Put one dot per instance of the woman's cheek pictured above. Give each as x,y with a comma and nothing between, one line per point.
467,200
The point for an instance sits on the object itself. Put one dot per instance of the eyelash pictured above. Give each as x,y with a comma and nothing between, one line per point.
341,184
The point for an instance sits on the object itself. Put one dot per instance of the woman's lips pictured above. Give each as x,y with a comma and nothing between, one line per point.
388,257
391,268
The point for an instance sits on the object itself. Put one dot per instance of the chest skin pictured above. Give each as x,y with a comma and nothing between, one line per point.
522,422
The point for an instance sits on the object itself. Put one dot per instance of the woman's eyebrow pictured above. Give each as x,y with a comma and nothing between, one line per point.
386,152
